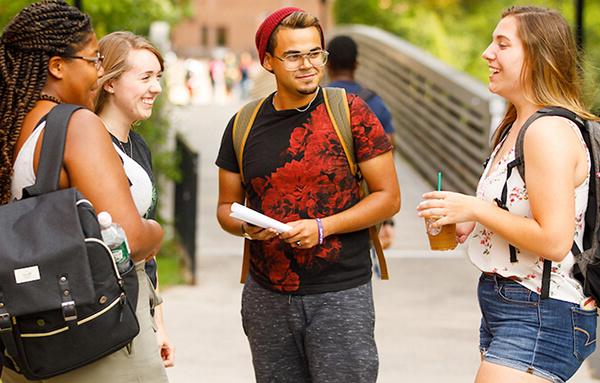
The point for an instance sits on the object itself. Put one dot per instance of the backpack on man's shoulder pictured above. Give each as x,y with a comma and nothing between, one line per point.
587,267
338,110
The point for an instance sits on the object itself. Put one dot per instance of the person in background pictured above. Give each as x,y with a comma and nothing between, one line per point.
307,305
523,337
341,66
49,55
127,92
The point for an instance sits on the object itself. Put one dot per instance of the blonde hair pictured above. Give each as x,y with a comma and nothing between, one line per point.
550,65
115,48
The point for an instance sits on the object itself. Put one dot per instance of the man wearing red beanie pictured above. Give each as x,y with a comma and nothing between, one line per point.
307,304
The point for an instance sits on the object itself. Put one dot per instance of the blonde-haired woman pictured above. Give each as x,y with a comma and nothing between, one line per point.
533,64
49,55
126,94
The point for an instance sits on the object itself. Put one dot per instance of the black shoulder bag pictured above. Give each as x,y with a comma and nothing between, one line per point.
63,303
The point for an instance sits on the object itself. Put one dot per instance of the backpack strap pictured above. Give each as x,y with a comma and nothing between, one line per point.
339,114
338,110
242,124
244,119
366,94
53,148
519,163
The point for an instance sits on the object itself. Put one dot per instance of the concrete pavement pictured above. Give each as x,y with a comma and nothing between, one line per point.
427,314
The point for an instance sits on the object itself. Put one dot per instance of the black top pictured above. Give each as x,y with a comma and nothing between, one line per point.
295,168
138,150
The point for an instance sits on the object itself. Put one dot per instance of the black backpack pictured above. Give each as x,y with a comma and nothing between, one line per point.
587,266
63,303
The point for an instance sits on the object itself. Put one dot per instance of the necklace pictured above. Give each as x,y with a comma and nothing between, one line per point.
300,109
47,97
123,147
119,141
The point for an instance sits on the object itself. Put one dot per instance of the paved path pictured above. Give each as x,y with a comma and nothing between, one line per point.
427,314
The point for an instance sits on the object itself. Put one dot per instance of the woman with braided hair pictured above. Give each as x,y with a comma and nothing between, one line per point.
49,54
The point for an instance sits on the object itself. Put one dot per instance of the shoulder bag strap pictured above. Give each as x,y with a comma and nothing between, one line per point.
366,94
339,114
519,163
241,130
53,147
242,124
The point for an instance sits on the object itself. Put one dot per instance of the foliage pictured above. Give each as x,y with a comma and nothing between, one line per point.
458,31
135,16
109,16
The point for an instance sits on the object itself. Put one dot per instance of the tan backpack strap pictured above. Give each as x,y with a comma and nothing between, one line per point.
339,114
379,251
246,261
242,124
244,119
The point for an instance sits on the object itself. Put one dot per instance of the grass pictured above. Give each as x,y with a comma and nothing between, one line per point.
171,270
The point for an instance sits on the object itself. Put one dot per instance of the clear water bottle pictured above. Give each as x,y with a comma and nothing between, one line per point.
114,237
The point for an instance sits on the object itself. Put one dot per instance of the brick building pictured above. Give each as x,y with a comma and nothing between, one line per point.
233,23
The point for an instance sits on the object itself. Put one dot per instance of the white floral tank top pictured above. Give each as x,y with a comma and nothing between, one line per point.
490,252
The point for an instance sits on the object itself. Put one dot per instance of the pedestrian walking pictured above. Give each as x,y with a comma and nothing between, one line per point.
341,68
126,94
512,235
307,304
49,55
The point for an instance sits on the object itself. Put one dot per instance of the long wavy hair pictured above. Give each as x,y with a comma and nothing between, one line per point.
37,33
550,65
115,48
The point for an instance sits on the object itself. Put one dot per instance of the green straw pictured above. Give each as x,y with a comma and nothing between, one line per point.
439,181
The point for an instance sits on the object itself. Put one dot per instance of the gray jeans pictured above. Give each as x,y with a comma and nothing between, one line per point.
315,338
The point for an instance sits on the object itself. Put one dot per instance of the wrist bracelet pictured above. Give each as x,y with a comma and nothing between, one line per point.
320,227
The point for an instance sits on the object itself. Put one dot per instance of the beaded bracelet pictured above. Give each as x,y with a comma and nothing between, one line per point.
320,226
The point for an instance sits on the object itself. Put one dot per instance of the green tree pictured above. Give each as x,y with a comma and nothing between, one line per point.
458,31
109,16
135,16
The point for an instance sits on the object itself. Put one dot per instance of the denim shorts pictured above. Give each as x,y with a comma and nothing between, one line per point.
548,338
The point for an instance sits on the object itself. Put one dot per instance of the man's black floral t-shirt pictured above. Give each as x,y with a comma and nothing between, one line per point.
295,168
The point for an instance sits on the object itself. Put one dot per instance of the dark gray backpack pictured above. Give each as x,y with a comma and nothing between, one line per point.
63,303
587,267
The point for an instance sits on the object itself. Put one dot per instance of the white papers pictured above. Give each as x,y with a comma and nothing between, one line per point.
251,216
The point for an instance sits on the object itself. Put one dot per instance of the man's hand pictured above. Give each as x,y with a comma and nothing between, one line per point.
304,234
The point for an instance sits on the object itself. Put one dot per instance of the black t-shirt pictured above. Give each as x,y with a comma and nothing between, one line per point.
295,168
138,150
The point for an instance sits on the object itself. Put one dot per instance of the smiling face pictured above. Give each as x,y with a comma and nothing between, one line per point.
134,92
304,80
505,57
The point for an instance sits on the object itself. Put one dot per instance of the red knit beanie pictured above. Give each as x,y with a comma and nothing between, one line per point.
264,32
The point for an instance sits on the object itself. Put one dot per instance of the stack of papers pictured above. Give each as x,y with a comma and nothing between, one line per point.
255,218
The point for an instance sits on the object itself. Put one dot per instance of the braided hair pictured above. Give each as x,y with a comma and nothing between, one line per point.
37,33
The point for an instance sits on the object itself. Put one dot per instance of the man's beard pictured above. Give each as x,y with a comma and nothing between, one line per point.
309,90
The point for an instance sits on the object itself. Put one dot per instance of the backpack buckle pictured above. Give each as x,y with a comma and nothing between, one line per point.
500,204
5,324
69,311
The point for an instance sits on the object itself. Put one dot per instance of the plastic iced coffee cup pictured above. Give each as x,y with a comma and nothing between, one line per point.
440,238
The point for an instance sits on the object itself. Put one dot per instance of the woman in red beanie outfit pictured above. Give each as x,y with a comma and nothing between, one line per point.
307,304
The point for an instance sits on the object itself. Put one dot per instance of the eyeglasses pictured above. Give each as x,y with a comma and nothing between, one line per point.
294,61
97,61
